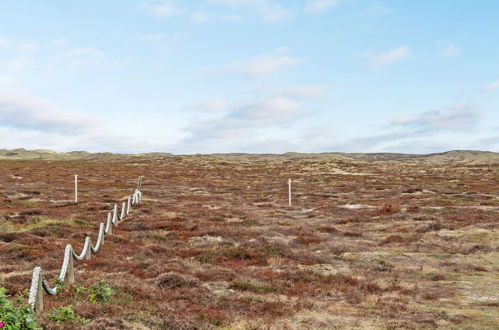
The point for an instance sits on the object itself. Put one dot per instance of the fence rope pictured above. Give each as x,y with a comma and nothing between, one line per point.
39,284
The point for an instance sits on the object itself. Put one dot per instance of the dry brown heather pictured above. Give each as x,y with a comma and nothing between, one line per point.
370,242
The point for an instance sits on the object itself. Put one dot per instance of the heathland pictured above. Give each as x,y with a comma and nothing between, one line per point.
370,241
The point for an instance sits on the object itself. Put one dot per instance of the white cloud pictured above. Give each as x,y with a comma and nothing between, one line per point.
5,42
317,6
59,43
391,56
273,12
377,10
17,64
261,124
223,125
162,8
493,86
458,118
245,119
23,111
199,17
259,66
154,36
448,49
214,105
232,17
29,122
267,9
80,55
306,91
236,2
6,82
28,47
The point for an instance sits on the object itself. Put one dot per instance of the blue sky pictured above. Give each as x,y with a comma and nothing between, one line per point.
260,76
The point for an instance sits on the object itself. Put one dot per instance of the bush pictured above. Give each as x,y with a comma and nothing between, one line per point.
13,317
64,314
100,292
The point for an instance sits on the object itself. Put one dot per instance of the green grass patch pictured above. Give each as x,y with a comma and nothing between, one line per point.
17,248
37,223
246,286
6,226
81,223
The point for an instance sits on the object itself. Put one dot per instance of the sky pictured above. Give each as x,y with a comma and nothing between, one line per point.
249,76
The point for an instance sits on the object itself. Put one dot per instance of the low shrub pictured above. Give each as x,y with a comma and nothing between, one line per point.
65,314
14,317
100,292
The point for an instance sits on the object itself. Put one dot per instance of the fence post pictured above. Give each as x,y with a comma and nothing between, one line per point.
71,271
88,252
139,183
102,232
76,188
289,192
129,205
109,224
115,215
36,291
123,211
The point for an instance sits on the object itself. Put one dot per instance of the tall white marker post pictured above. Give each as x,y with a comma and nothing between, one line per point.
76,188
289,192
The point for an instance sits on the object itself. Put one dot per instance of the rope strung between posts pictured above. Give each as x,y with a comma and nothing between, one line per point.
39,284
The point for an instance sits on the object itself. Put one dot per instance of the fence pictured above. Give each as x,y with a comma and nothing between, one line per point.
39,284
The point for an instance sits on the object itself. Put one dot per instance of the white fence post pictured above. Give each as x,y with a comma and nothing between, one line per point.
76,188
123,211
289,192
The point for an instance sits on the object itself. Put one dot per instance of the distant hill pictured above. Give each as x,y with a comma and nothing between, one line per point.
454,156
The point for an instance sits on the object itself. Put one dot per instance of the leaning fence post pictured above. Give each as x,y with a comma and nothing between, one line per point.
109,224
129,205
115,214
